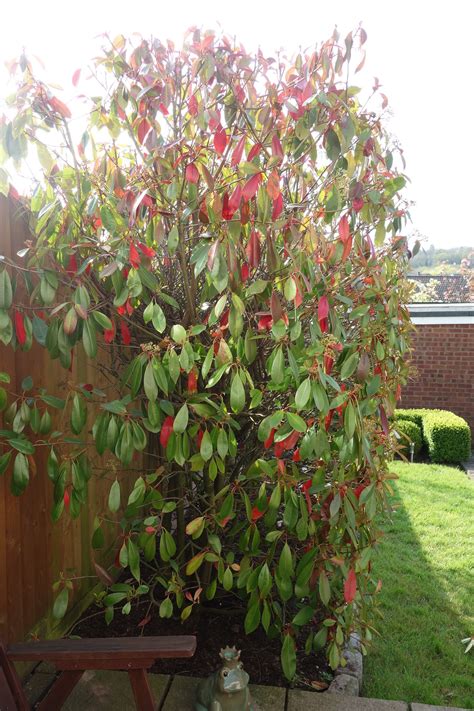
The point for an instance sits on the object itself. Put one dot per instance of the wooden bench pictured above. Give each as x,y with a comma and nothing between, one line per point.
72,657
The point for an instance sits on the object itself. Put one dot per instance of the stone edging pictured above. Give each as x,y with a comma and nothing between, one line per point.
348,679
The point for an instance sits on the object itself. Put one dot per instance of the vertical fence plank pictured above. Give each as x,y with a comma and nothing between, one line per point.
33,550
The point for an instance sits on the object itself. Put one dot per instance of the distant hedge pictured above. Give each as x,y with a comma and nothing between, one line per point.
446,435
412,432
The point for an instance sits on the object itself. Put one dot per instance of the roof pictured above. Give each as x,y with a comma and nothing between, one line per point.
444,289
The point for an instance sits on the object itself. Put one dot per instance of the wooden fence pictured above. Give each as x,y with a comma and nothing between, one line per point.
33,549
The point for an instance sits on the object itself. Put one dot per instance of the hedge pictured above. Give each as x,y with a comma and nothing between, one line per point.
412,431
446,435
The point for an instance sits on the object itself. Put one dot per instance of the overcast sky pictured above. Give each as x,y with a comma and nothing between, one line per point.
420,51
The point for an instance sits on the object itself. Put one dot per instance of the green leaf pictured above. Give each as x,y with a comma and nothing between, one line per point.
114,497
206,448
195,563
324,588
252,618
6,292
158,318
349,420
296,422
303,394
27,383
173,240
303,616
181,420
288,657
178,333
278,367
237,394
21,474
149,382
4,461
89,338
133,559
108,220
60,604
349,366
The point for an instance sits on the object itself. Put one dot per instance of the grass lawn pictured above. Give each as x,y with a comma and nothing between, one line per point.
426,563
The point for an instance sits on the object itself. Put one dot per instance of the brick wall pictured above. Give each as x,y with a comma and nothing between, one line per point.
444,358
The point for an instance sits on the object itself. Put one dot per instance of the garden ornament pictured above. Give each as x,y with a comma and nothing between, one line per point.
226,689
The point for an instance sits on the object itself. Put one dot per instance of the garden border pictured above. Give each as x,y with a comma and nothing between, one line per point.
348,679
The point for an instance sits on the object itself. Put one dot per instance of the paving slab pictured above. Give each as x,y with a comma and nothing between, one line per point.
309,701
37,683
182,695
427,707
111,691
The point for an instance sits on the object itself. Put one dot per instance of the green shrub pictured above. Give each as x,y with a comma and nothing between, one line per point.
447,436
407,428
415,416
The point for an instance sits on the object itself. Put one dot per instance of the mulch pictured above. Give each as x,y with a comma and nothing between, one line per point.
215,628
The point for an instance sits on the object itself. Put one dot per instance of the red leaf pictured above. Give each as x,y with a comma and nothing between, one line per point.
269,441
109,334
20,328
350,586
72,265
256,513
254,151
142,131
384,420
328,364
193,105
211,257
291,440
134,257
323,312
60,107
147,251
199,436
277,207
277,148
358,490
273,185
166,430
244,272
220,140
227,213
298,300
251,186
66,499
192,382
235,200
347,249
163,109
237,152
296,456
253,249
192,173
76,76
344,233
265,322
328,420
125,333
357,204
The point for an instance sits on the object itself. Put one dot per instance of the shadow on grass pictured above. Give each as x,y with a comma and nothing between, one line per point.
426,563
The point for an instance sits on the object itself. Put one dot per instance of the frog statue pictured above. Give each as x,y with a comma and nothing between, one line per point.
226,689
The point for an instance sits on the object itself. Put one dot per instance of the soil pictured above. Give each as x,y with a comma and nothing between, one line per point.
214,628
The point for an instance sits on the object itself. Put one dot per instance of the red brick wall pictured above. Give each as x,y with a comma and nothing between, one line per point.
444,358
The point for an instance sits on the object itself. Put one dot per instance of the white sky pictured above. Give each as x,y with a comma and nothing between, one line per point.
420,50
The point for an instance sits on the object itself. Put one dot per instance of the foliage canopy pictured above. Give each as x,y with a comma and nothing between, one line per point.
224,241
